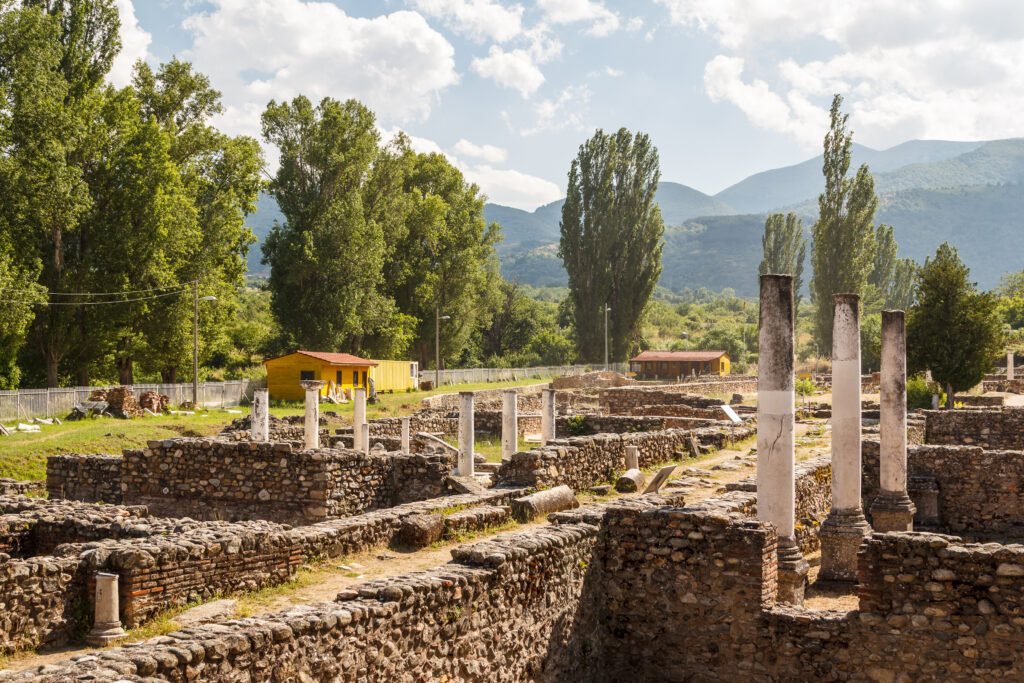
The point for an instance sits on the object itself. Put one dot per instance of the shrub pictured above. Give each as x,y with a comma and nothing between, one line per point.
919,393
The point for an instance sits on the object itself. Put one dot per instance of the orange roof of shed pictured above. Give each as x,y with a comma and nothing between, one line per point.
332,358
679,355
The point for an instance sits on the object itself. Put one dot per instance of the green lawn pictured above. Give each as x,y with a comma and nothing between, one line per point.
23,455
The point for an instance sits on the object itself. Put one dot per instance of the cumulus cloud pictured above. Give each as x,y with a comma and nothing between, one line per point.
907,69
515,69
479,19
135,43
257,50
513,188
602,21
488,153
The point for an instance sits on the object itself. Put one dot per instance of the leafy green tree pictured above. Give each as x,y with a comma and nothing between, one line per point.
326,259
442,258
785,249
885,258
611,245
953,330
720,339
843,249
901,290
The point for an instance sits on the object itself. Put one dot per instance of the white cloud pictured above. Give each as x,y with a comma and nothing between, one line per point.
602,20
614,73
134,44
515,69
257,50
479,19
513,188
906,68
635,24
568,110
488,153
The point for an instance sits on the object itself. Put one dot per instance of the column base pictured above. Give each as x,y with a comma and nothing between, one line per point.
104,634
840,537
892,511
791,573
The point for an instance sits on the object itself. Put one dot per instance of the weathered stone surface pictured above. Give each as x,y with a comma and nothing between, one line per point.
630,482
544,502
420,531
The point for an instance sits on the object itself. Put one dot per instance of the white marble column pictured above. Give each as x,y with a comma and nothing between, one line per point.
1010,374
405,434
845,527
776,401
312,423
259,420
365,438
358,417
509,423
547,415
893,510
466,443
107,625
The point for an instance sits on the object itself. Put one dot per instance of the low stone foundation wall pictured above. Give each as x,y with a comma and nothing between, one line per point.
624,400
94,478
993,429
451,401
43,602
13,487
582,461
214,479
978,490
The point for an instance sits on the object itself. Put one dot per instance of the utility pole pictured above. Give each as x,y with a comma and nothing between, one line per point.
437,344
606,309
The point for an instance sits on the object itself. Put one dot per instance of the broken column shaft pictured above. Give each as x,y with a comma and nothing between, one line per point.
259,427
509,423
776,484
1010,370
845,527
358,417
312,422
405,434
547,415
893,510
466,445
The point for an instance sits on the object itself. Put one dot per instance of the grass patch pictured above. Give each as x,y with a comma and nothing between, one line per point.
471,534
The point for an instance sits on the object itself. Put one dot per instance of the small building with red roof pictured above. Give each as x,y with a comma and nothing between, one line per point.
677,364
340,372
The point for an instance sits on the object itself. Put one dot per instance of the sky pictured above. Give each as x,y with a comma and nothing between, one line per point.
509,90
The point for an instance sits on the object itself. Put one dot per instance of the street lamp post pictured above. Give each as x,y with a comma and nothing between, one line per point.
606,309
195,340
437,344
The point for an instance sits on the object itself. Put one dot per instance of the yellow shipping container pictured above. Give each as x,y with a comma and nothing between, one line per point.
395,375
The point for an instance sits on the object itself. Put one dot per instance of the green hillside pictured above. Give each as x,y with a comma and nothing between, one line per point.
801,182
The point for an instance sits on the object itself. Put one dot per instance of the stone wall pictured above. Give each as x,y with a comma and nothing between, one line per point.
42,601
993,429
13,487
451,401
94,478
624,400
582,461
450,623
216,479
979,490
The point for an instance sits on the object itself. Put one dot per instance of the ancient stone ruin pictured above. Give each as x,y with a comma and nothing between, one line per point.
919,532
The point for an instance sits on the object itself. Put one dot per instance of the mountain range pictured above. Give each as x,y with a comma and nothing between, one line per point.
967,193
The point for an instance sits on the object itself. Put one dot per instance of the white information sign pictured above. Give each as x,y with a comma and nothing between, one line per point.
731,414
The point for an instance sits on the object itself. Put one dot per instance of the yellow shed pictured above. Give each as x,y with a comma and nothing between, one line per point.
340,371
675,364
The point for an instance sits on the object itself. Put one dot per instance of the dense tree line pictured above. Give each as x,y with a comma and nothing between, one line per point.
115,201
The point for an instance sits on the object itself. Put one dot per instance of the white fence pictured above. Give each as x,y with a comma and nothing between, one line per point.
25,404
481,375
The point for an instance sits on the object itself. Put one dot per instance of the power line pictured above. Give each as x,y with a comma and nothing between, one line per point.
130,291
90,303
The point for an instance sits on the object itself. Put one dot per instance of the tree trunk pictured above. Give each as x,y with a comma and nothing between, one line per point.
949,397
169,375
124,371
83,377
51,370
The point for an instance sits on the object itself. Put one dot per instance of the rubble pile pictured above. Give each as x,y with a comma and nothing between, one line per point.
154,402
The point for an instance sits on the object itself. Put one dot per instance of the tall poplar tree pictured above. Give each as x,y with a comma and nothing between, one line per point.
611,239
843,249
785,249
